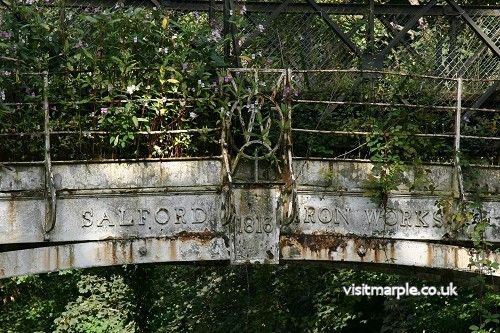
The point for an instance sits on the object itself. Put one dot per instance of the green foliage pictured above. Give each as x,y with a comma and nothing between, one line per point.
30,303
189,298
104,305
442,314
485,327
115,70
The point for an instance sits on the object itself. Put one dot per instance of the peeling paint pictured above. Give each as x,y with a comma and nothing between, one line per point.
168,211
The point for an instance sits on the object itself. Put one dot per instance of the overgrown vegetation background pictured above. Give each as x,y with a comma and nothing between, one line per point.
287,298
123,70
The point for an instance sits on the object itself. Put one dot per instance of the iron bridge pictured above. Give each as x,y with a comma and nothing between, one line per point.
257,201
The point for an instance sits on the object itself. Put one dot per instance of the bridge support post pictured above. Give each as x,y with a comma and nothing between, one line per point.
50,191
459,188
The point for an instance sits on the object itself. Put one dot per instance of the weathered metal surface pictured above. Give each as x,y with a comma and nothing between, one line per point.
255,228
405,217
105,176
184,247
334,197
354,177
180,202
112,201
398,252
103,216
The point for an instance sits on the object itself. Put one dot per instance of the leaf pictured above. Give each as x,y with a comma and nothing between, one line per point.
87,53
136,121
217,60
118,61
245,58
259,117
164,22
90,18
495,265
173,81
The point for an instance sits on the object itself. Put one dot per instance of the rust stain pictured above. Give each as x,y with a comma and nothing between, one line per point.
130,253
446,261
455,257
286,241
393,252
71,256
11,208
430,255
123,250
57,257
47,258
315,243
113,252
2,272
365,247
204,236
172,250
98,254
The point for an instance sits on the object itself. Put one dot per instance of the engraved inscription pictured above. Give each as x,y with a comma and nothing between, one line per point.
254,224
373,217
129,217
327,215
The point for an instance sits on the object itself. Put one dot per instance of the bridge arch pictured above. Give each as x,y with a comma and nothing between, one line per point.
174,211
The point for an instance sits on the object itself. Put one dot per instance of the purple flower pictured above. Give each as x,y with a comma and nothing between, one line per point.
243,10
215,36
6,34
286,92
104,110
227,79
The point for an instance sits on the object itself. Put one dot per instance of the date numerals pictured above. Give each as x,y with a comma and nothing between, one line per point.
254,224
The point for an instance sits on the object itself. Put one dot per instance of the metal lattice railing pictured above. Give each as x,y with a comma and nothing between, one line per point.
335,113
350,65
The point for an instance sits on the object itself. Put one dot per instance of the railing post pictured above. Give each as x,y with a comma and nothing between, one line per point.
227,201
458,116
225,30
231,46
211,13
50,191
289,194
